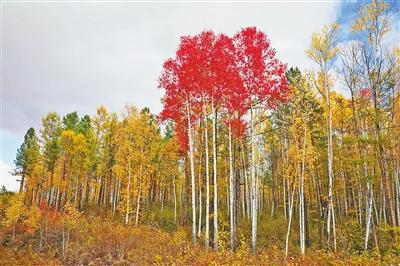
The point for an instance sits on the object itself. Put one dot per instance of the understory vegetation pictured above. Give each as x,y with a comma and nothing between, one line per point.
93,237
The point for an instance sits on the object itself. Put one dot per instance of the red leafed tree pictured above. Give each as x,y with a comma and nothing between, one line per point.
230,74
263,77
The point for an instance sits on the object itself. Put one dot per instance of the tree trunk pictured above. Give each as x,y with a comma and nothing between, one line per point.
291,196
207,236
397,189
21,185
369,215
214,140
301,211
200,194
253,187
128,194
138,204
173,184
246,187
50,187
330,165
191,157
231,193
200,214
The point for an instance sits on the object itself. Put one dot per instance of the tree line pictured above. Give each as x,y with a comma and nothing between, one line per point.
100,160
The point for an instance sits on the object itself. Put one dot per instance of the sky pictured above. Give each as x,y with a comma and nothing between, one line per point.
75,56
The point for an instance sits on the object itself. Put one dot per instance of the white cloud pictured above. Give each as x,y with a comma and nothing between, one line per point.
6,179
75,56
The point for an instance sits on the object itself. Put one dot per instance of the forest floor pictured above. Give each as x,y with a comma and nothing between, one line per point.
99,237
98,241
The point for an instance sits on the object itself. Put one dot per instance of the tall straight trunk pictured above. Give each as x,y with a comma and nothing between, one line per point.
242,194
253,186
262,196
274,179
248,196
397,189
334,229
291,196
301,216
369,215
99,199
85,192
50,187
214,140
174,188
63,244
231,193
79,196
200,194
207,236
56,201
191,157
236,179
319,205
186,193
180,193
138,203
343,176
306,221
106,189
330,164
128,194
227,186
162,194
246,187
115,199
200,213
284,197
360,213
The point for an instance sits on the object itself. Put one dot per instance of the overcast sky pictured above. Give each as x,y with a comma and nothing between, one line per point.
76,56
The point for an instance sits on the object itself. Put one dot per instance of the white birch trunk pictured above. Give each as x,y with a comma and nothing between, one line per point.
242,194
207,236
200,214
128,194
290,221
214,129
369,215
138,204
191,156
253,187
334,229
330,165
231,192
284,198
174,188
246,188
162,194
302,227
200,199
397,190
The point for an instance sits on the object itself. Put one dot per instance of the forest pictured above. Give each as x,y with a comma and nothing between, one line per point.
250,162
